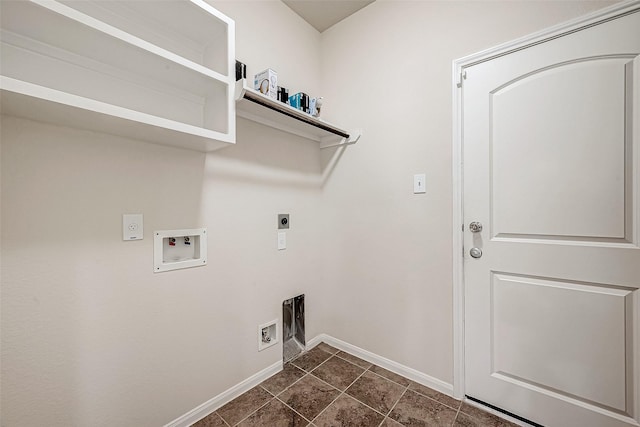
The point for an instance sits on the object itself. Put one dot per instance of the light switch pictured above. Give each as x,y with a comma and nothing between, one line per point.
132,228
419,185
282,240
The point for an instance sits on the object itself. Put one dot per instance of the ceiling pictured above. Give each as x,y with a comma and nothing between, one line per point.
322,14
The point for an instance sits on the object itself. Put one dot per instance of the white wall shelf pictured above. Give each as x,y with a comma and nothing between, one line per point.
154,70
259,108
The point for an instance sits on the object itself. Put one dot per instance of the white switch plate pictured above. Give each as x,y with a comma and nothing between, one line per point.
282,240
419,183
132,228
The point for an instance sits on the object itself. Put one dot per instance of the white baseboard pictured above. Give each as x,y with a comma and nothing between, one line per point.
225,397
385,363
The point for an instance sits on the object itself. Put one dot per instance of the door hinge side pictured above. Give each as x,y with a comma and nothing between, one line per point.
463,76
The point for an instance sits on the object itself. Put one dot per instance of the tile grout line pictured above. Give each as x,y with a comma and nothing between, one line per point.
409,385
290,385
210,414
406,388
273,396
341,391
384,378
431,398
276,396
223,420
455,419
333,354
315,367
368,369
473,417
253,412
354,381
321,380
353,363
305,374
397,401
260,385
300,379
285,404
355,398
457,413
438,402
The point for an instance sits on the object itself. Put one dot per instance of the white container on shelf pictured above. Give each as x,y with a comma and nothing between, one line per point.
266,82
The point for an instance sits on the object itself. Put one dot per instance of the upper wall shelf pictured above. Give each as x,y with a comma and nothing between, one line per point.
255,106
160,71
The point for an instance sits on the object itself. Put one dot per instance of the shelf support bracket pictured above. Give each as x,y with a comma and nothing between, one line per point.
239,91
329,142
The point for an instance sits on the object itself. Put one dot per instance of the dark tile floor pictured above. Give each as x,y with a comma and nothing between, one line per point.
326,387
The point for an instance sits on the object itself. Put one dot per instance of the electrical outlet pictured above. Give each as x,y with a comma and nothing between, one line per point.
132,227
283,221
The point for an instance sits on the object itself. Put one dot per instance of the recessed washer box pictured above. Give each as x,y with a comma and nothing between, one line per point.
175,249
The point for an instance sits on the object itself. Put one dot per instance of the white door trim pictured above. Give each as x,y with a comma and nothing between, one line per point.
459,67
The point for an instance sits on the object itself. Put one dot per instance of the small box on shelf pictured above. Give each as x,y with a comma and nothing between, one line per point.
300,101
266,82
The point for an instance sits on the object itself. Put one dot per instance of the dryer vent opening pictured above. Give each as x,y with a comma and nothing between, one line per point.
293,341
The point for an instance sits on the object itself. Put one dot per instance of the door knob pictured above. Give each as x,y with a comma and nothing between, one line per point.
475,227
475,252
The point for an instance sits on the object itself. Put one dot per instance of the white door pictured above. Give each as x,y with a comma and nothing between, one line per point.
551,143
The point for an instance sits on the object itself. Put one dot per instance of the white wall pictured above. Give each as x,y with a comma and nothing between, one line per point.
387,259
90,336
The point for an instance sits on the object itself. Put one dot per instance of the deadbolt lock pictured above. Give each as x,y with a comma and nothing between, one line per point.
475,227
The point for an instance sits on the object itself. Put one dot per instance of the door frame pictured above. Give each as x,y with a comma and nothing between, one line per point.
458,76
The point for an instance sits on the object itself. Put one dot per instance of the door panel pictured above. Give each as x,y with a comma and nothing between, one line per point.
545,319
551,143
524,143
